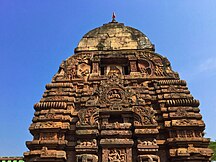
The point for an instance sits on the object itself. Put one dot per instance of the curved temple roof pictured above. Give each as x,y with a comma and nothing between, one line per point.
114,36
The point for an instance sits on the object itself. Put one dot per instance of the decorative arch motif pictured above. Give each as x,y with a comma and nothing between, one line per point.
88,117
113,92
145,67
155,64
144,116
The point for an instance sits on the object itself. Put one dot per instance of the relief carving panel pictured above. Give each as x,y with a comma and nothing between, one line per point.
88,117
144,116
117,155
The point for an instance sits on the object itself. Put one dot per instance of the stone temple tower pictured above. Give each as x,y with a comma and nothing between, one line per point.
116,100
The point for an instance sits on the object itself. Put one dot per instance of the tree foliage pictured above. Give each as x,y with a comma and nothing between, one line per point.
212,145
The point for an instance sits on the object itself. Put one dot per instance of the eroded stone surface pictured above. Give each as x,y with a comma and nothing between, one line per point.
114,36
116,100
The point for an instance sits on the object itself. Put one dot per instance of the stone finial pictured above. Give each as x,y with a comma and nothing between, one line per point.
113,17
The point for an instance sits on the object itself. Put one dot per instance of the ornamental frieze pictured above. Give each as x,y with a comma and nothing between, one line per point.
187,122
146,142
86,143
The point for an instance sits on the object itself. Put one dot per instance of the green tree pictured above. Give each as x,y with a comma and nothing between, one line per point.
212,145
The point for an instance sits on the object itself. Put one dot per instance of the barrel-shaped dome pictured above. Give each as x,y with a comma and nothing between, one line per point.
114,36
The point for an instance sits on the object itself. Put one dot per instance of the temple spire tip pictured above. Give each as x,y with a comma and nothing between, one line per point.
113,17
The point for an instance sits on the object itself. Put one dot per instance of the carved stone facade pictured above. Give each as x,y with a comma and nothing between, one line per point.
116,100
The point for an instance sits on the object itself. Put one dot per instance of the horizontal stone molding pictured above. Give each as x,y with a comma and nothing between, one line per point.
45,153
55,111
183,102
115,141
184,122
192,109
146,131
183,114
190,150
187,139
48,142
118,133
172,82
58,85
45,105
87,132
118,126
53,117
49,125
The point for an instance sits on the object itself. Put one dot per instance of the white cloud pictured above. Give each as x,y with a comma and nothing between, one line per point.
208,65
205,68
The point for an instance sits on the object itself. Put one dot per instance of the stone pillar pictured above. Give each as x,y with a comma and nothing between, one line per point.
95,67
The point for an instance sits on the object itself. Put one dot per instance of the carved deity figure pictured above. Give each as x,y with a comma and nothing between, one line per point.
114,95
117,156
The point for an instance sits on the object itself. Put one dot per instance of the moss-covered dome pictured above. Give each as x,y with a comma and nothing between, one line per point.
114,36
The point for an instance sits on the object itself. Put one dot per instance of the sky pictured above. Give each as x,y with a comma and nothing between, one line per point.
37,35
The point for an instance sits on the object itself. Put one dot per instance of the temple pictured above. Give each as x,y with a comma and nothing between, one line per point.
116,100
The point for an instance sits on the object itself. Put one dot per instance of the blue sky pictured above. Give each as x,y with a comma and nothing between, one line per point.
36,35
